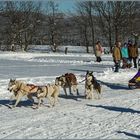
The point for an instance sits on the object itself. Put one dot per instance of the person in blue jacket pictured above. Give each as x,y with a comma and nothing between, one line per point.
125,56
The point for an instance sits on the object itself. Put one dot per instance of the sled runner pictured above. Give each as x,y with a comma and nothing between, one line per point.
133,85
135,81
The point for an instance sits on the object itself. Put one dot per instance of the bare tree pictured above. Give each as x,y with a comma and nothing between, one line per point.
105,20
54,24
122,17
32,19
83,25
23,18
116,18
86,8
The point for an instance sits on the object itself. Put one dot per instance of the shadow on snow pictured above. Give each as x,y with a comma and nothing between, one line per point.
115,86
73,97
129,134
118,109
21,103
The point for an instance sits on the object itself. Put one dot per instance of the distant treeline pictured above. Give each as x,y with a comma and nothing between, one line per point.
25,23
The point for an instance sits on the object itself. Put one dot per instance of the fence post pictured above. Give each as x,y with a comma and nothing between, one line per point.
66,50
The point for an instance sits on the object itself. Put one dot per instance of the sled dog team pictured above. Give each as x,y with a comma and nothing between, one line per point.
51,91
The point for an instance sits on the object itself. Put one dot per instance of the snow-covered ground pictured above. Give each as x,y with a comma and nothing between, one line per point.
115,116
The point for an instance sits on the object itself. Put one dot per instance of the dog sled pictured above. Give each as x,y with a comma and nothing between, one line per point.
126,63
135,81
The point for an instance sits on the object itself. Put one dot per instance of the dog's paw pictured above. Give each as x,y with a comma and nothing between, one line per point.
9,106
71,93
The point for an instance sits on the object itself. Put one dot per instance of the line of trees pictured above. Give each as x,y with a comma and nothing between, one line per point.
22,20
111,20
34,22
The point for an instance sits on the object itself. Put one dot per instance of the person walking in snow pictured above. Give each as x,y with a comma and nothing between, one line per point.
116,56
133,53
98,51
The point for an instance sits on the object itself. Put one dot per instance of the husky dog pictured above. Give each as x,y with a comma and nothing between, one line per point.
91,84
20,89
67,80
50,91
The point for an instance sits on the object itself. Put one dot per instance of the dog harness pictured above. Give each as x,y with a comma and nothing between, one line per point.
32,86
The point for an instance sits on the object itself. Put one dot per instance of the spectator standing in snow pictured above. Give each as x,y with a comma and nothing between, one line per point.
117,56
133,53
98,51
12,47
125,56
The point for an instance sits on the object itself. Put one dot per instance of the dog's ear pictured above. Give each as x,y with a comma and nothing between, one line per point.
12,80
91,72
87,72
